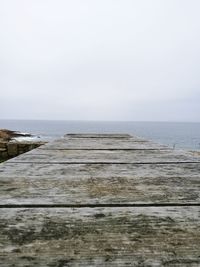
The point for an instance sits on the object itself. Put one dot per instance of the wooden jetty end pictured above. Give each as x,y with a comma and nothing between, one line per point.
100,200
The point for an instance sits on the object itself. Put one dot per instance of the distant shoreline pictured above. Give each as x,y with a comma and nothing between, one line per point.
14,143
7,135
179,135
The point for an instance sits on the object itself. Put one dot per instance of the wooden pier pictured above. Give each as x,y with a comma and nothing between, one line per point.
100,200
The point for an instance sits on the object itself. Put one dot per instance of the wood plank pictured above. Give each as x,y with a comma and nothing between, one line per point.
105,156
101,136
59,207
99,170
164,236
104,143
86,184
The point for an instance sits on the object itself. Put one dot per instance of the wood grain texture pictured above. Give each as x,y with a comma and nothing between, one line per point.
100,237
74,184
100,200
102,143
105,156
86,170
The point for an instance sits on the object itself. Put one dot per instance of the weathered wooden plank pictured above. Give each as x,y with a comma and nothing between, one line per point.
165,236
99,191
100,236
105,156
105,143
101,136
88,184
78,171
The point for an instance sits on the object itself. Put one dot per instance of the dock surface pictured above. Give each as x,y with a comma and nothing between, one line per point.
100,200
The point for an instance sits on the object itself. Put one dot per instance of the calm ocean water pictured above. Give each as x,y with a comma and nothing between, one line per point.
181,135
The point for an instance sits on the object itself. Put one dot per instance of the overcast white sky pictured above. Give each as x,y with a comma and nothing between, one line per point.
100,60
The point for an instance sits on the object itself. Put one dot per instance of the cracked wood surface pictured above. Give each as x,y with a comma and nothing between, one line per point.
67,173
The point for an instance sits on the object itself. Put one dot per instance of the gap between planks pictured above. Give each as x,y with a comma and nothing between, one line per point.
102,162
116,205
112,149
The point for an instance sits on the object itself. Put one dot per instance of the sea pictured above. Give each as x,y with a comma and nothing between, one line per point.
179,135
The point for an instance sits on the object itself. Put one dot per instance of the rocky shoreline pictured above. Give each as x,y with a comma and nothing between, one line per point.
7,135
11,147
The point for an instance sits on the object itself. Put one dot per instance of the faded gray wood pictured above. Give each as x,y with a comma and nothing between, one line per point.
73,171
101,136
102,143
105,156
151,236
80,214
86,184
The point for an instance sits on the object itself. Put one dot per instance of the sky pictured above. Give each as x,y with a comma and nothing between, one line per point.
126,60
